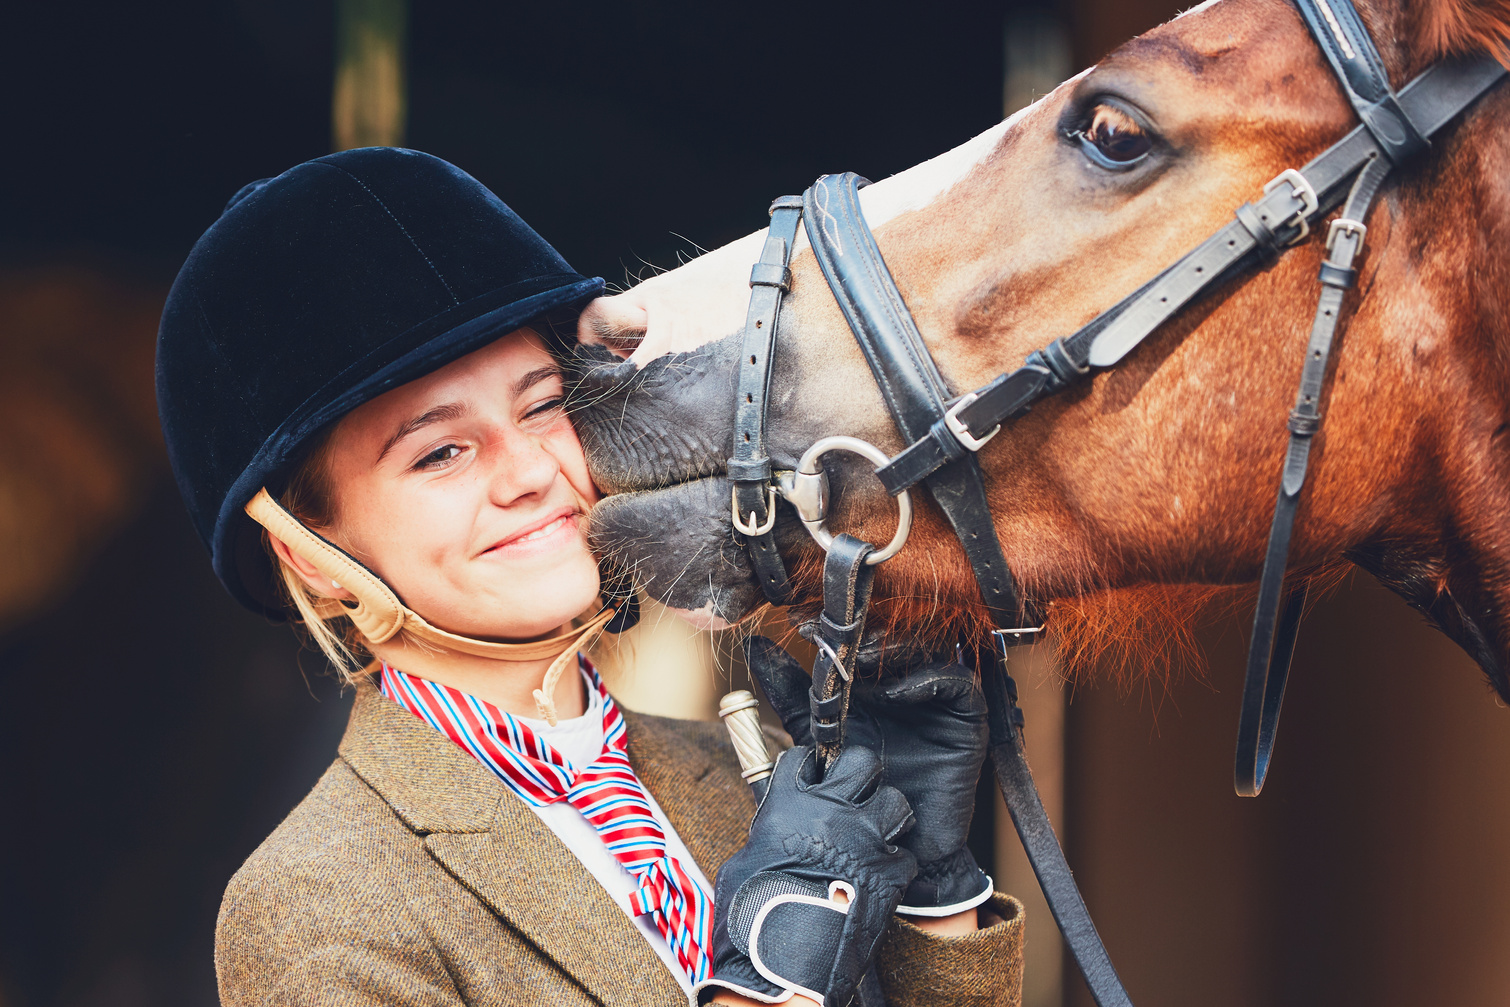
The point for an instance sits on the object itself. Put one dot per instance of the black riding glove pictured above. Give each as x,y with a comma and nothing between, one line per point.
775,928
928,722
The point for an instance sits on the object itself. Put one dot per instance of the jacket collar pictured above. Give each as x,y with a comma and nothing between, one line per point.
495,845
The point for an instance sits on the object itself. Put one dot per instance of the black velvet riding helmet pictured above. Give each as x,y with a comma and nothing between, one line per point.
315,292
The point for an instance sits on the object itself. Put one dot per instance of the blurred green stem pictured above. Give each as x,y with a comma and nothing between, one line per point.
370,101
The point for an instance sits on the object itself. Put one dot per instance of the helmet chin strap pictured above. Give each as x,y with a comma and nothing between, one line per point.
379,615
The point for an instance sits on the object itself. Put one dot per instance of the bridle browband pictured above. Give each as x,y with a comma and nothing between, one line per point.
944,432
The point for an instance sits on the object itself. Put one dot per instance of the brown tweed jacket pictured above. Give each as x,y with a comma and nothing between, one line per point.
411,876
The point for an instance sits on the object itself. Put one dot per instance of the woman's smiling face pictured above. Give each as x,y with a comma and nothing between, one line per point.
467,492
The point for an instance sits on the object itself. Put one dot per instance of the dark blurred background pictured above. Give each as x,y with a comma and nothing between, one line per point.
152,733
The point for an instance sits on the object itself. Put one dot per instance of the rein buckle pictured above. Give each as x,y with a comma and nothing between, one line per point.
957,426
750,529
1301,189
1343,225
1008,638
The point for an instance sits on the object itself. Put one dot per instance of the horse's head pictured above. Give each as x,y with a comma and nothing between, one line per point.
1154,481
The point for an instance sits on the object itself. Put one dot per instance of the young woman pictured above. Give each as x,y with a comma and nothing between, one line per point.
357,388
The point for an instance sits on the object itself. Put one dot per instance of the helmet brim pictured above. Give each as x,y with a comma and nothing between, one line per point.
240,561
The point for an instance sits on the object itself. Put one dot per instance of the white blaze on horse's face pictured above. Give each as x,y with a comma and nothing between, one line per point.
706,299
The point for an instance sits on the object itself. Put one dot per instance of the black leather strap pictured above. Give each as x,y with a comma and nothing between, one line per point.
942,446
1037,833
914,392
750,467
1347,45
846,596
1276,618
1431,101
910,382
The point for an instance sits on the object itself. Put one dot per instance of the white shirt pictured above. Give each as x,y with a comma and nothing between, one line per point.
580,741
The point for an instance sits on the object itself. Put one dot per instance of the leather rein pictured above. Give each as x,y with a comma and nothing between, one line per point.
944,431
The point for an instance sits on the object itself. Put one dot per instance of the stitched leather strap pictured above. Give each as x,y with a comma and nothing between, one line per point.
1430,101
750,467
846,596
379,614
910,382
944,442
1276,618
1348,47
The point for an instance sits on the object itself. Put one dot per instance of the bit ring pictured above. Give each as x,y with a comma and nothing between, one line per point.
808,485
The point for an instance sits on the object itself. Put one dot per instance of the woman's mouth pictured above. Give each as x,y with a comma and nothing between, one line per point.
546,535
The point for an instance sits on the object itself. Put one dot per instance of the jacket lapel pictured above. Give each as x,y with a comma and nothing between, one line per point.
487,838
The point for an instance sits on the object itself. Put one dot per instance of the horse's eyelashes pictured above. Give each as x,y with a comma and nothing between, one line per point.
1112,137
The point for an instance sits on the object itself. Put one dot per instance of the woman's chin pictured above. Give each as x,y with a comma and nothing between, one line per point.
539,614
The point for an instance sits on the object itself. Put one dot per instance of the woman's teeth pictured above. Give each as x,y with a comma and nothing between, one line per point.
549,529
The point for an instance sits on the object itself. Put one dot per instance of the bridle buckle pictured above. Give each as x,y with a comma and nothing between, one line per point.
957,426
750,529
1302,190
1344,225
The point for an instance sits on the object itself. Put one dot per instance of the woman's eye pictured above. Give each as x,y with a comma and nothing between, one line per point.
545,407
1113,138
439,456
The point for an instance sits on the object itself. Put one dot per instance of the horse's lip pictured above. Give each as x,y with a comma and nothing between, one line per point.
610,488
678,540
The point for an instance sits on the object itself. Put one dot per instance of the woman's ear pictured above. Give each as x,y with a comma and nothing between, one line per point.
321,585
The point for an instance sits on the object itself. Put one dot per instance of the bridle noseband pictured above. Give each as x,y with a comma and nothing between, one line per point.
944,432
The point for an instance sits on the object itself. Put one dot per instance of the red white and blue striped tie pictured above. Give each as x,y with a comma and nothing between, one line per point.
607,793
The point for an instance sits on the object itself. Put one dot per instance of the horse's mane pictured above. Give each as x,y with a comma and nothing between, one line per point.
1457,27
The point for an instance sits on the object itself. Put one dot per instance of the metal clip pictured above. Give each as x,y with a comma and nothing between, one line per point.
957,426
807,491
751,529
1016,635
1302,190
827,650
1345,225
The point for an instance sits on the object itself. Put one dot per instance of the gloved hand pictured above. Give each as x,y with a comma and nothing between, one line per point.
775,926
928,722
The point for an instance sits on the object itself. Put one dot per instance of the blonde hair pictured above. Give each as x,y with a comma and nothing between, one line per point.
309,497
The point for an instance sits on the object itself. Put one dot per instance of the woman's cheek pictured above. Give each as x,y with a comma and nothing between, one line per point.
567,449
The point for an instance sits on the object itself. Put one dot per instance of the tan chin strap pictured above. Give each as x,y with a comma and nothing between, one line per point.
379,615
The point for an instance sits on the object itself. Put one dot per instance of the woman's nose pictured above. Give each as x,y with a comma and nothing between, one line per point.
524,467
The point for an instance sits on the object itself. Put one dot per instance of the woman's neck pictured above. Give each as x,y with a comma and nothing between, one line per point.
508,685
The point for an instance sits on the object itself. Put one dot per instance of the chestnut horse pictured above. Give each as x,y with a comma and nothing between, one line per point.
1136,494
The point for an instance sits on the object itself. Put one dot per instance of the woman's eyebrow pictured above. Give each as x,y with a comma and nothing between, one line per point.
532,378
449,411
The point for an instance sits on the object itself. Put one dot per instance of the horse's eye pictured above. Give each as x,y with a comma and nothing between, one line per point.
1113,138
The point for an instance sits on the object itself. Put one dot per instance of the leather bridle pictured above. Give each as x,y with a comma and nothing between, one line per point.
944,431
